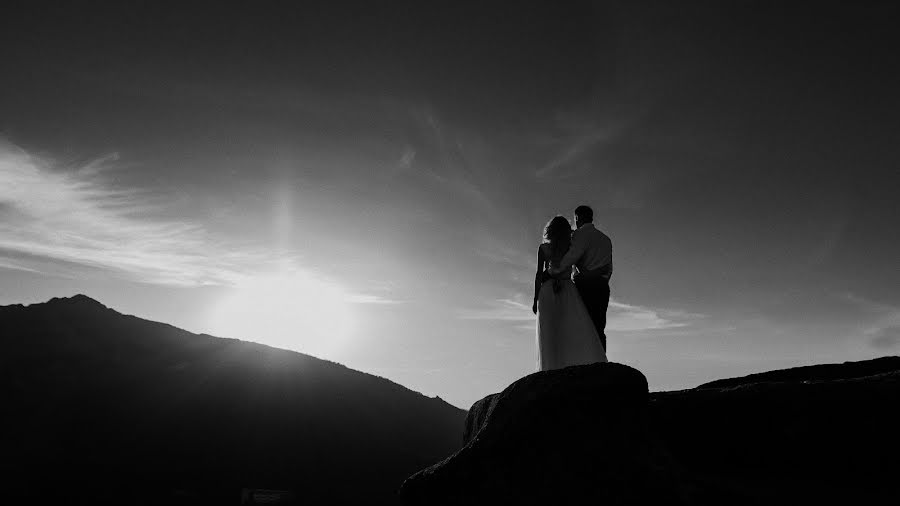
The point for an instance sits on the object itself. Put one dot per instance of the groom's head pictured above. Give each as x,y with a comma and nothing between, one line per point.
583,216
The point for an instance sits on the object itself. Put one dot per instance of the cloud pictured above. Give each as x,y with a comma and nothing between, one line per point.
886,338
458,162
359,298
883,330
884,333
629,317
508,310
72,215
7,264
62,220
71,222
573,151
489,248
407,158
621,317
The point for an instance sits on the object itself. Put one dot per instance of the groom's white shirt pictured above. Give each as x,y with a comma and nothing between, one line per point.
591,249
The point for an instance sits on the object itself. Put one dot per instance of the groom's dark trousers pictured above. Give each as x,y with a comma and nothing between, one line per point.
593,287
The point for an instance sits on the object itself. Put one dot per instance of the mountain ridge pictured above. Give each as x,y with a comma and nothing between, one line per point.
82,301
155,412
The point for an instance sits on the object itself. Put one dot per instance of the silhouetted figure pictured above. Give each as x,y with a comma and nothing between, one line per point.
565,333
591,254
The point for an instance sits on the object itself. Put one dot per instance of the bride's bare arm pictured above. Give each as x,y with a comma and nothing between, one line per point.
538,277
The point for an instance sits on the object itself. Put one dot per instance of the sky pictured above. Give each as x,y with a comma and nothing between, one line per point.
368,183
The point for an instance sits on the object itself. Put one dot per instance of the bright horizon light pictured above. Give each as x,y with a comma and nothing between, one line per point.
294,310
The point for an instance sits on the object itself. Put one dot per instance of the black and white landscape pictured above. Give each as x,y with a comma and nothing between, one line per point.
650,245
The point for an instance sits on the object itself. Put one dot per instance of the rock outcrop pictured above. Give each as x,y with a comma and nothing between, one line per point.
592,435
555,437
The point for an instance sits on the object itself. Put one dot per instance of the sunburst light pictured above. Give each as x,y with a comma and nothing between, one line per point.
294,311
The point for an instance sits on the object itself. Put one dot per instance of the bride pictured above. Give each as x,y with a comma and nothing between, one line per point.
565,333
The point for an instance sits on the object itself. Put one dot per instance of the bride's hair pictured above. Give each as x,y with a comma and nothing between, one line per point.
558,234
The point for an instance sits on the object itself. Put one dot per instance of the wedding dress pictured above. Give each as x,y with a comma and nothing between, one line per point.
565,333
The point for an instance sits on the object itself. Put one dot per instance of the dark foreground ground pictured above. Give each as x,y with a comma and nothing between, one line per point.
593,435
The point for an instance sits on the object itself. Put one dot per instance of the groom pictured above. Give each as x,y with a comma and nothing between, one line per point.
591,254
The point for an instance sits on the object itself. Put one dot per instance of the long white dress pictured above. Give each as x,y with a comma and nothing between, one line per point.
565,333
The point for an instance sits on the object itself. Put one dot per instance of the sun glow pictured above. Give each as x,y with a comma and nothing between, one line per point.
294,311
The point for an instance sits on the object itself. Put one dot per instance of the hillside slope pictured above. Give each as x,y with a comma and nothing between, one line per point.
114,408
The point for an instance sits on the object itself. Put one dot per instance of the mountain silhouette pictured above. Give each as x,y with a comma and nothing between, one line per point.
110,408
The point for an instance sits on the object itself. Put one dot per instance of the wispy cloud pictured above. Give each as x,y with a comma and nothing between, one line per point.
573,151
499,253
621,317
73,215
582,133
360,298
7,264
451,158
508,310
630,317
70,221
886,337
883,330
407,158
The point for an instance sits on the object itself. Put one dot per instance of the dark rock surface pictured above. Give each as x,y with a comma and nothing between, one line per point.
819,372
101,407
815,435
556,437
591,435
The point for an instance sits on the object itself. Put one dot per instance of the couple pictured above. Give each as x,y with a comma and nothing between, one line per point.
571,292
